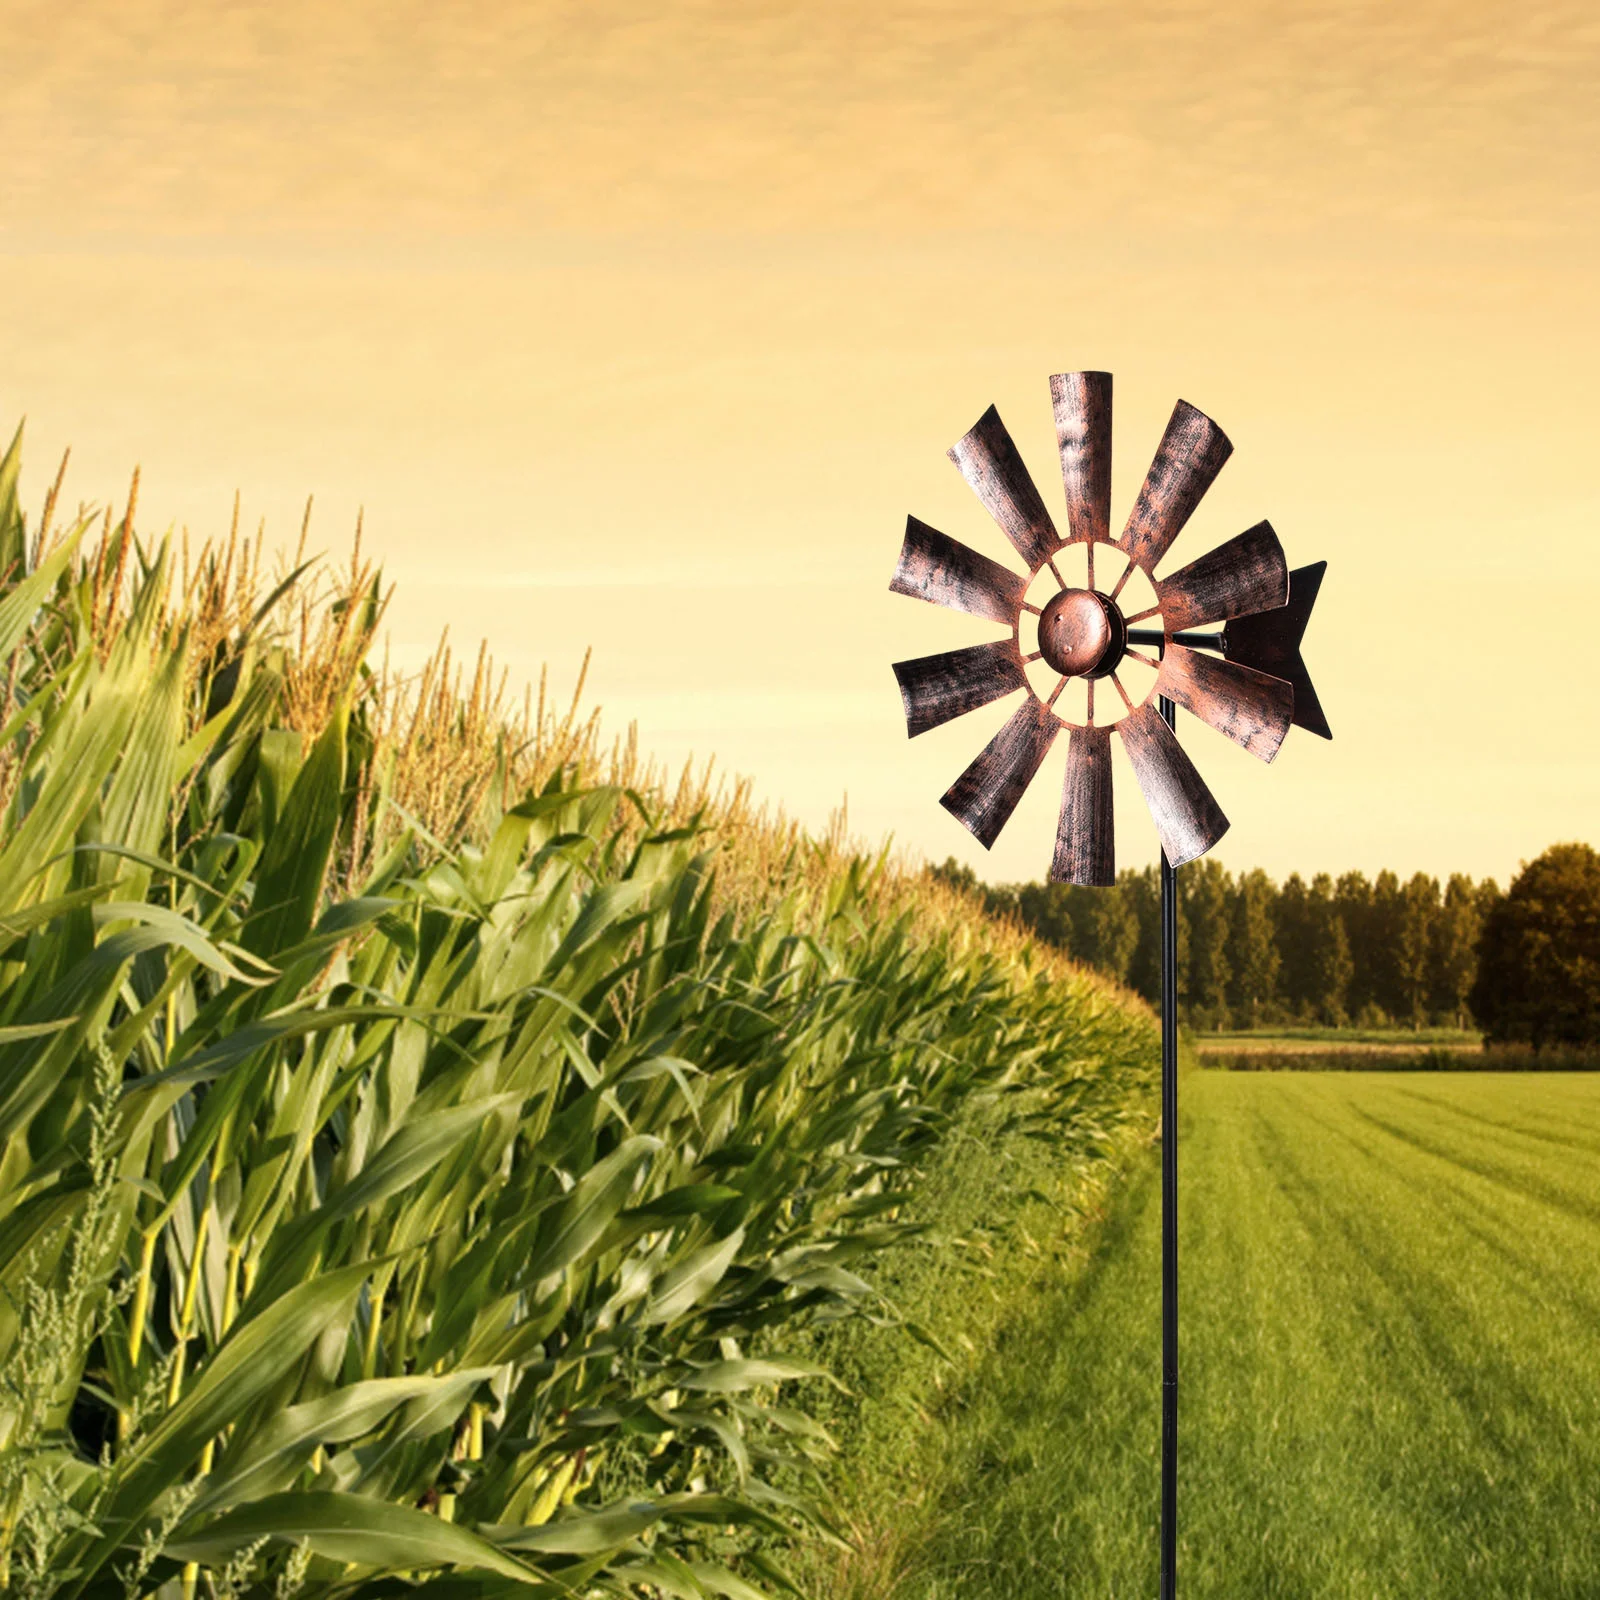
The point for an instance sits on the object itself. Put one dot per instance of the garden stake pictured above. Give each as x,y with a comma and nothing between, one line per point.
1248,682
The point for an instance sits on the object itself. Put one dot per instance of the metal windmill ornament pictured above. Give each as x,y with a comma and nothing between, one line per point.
1249,684
1251,692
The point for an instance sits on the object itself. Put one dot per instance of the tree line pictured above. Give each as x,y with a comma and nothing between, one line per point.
1377,952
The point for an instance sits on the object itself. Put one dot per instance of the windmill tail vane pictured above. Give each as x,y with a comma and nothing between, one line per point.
1252,689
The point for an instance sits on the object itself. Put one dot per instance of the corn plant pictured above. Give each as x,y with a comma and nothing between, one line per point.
423,1184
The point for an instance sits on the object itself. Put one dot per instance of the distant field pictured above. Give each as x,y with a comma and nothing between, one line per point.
1379,1050
1319,1040
1391,1335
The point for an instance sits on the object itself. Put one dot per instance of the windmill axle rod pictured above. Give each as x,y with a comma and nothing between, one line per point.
1190,641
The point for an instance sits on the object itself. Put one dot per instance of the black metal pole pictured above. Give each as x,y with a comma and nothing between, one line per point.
1169,1214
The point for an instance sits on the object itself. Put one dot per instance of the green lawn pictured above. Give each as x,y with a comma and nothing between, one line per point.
1391,1362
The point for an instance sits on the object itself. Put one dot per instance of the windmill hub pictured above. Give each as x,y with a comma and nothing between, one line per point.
1082,634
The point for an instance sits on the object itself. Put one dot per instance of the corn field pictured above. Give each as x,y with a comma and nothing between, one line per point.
428,1129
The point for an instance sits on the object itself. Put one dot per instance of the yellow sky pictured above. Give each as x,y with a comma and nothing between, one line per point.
646,332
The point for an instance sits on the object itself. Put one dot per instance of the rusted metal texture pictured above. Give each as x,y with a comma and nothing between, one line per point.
1082,404
1250,707
1075,631
937,568
1248,573
990,462
1271,643
1085,844
1189,457
986,794
936,688
1187,816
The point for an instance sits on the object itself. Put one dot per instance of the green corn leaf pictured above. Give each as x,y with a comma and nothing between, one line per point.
248,1363
32,1069
294,858
215,1060
181,934
664,1571
21,603
267,1460
35,1030
586,1533
71,784
348,1527
605,910
719,1580
681,1288
414,1151
730,1377
13,535
691,1200
138,798
579,1222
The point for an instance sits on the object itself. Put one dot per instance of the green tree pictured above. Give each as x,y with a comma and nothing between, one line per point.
1333,964
1539,955
1139,891
998,899
1046,908
1253,950
1453,956
1417,912
1297,979
1352,899
957,875
1205,891
1377,950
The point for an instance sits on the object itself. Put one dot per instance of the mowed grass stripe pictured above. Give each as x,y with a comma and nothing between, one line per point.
1390,1344
1454,1349
1440,1316
1523,1127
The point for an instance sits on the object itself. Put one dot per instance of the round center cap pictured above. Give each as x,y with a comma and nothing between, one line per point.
1075,632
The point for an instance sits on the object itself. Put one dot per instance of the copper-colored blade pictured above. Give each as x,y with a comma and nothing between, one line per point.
1085,848
935,567
991,463
986,794
937,688
1270,642
1245,575
1082,403
1189,457
1186,814
1249,707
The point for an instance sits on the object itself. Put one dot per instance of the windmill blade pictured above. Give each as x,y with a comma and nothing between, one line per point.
1085,844
1251,708
937,568
1270,642
991,463
1189,457
1186,814
1248,573
984,796
936,688
1082,404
